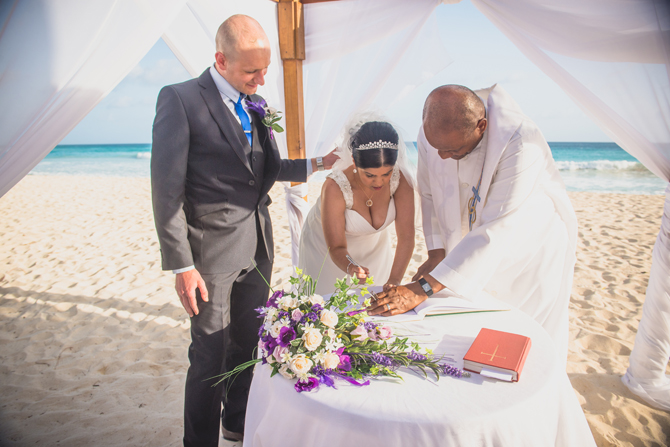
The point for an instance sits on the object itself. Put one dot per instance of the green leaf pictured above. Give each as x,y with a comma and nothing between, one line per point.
277,128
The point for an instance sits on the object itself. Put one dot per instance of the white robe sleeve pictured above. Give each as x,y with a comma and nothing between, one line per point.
431,225
516,212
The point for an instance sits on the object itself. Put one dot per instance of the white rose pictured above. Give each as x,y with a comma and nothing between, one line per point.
274,330
284,371
300,364
331,360
316,299
329,318
312,339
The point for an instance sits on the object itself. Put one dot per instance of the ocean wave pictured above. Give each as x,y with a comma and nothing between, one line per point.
143,155
599,165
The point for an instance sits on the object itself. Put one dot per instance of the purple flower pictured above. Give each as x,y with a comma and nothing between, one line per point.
324,375
286,335
370,326
413,355
272,302
450,370
270,345
258,107
317,308
381,359
345,363
307,385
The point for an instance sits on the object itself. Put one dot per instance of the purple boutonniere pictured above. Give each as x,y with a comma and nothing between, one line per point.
269,115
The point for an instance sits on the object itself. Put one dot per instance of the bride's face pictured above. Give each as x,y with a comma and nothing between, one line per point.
375,178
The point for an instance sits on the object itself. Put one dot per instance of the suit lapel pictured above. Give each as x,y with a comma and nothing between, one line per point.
272,157
230,128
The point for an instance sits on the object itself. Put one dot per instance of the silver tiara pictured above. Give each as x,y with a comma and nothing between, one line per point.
377,145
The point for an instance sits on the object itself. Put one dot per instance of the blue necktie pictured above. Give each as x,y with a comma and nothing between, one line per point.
244,118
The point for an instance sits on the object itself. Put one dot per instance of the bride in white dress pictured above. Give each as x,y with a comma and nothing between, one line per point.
370,188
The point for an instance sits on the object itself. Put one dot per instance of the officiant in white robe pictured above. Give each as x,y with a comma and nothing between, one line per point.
496,217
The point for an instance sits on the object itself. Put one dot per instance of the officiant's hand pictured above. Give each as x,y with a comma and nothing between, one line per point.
434,258
185,284
397,300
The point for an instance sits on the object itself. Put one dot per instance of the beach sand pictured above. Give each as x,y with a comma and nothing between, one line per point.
93,339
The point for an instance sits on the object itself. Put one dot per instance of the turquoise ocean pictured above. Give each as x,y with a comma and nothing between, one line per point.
592,167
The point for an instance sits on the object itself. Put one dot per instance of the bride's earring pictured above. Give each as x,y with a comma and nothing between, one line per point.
355,171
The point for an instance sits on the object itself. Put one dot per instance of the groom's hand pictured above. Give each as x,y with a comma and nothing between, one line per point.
185,284
434,258
397,300
330,159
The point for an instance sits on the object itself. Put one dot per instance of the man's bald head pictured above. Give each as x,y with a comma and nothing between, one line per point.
239,33
242,53
453,108
454,121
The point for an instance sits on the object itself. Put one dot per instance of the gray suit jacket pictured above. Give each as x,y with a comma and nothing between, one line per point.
206,194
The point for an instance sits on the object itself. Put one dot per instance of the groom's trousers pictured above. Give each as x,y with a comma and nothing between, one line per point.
218,346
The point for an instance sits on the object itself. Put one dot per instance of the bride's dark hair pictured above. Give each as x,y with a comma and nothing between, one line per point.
370,132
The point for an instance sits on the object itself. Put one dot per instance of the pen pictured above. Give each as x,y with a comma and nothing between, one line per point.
351,261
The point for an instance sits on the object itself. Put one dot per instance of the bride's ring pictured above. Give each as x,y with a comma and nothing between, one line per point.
388,308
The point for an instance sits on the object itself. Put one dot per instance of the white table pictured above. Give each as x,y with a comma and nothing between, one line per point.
539,410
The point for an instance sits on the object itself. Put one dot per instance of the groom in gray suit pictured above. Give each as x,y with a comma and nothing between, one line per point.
213,163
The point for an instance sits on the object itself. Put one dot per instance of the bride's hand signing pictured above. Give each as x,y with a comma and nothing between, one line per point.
359,272
397,300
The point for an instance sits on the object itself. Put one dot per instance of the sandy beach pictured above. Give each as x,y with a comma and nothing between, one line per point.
93,339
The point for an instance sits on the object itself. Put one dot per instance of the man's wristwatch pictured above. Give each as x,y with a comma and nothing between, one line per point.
319,163
426,287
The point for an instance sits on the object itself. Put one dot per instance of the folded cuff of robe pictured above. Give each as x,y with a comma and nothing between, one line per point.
450,278
434,242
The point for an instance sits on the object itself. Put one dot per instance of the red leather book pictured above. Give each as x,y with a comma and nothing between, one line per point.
501,352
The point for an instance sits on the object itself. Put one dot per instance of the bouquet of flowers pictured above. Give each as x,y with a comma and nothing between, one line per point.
315,341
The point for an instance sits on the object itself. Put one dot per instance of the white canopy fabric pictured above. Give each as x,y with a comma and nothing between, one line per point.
59,59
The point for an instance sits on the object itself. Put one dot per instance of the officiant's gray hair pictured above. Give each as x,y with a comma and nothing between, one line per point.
235,27
453,107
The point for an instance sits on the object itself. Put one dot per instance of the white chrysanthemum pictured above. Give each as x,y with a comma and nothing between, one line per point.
333,345
271,314
286,357
319,356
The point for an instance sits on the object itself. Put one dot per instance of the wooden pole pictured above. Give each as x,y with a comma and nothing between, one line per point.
291,25
292,48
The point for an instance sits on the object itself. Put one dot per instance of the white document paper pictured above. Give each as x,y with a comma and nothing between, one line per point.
496,375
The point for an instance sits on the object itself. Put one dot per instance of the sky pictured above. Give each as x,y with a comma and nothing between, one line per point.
482,56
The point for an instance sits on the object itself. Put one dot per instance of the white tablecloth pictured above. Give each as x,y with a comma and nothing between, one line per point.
539,410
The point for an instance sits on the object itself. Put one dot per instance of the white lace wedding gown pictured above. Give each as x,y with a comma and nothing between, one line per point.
368,246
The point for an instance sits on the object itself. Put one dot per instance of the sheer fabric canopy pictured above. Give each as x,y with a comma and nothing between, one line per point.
58,60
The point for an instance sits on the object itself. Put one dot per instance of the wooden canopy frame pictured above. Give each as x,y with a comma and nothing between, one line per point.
291,26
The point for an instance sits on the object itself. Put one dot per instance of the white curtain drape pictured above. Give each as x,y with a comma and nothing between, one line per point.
613,60
58,60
